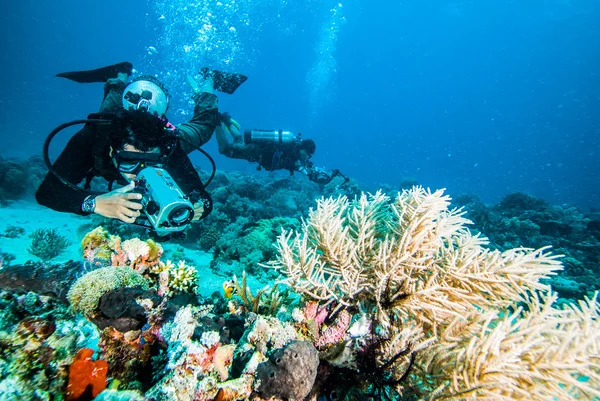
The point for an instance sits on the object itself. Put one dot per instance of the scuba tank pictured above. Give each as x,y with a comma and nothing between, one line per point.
278,137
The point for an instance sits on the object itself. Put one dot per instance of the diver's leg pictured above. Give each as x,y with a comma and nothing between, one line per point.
220,132
234,130
200,128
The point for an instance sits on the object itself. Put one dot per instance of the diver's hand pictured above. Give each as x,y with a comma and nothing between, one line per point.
120,204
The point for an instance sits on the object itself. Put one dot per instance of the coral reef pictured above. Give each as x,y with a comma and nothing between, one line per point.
522,220
249,212
116,395
266,301
13,180
12,232
41,278
47,243
144,257
447,313
394,299
183,278
35,350
84,296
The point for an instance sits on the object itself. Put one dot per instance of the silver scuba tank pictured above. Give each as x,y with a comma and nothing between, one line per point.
270,136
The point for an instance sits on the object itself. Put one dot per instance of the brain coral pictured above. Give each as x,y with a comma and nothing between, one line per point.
85,294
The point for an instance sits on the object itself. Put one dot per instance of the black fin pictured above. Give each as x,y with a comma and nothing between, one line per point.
99,74
226,82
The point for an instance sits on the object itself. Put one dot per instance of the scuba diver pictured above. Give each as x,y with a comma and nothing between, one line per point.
194,133
272,150
134,145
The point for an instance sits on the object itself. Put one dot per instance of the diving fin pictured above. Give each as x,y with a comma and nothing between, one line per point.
193,83
226,82
99,74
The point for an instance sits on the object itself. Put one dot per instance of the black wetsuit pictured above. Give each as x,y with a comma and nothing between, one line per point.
87,154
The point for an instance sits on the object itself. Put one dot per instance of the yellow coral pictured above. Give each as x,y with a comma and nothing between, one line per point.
94,238
161,266
155,250
96,243
85,294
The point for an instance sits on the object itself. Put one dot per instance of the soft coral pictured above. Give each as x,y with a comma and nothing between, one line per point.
84,374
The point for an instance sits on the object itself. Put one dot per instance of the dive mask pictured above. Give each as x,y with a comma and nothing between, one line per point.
133,162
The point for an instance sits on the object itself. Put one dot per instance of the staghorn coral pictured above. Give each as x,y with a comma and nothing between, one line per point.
85,294
448,315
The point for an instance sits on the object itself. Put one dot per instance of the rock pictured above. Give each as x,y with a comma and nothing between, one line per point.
289,372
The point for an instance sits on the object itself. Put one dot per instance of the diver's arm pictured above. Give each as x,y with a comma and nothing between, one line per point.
222,141
113,93
183,172
73,164
200,128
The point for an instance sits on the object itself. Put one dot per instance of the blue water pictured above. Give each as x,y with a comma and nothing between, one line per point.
483,96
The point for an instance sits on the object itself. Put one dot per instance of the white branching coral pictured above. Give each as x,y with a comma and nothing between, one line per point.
413,251
471,322
183,278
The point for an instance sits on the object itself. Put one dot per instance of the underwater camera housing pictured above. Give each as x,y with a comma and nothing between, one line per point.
270,136
166,209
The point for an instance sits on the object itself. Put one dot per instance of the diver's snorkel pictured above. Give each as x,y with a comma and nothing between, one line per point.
166,208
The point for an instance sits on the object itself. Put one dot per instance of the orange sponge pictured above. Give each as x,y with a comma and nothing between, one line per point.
86,373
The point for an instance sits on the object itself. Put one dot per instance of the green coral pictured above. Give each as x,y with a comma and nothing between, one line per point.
47,243
85,294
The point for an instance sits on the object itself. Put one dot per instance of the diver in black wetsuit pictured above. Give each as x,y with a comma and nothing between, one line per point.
138,136
272,150
118,152
147,91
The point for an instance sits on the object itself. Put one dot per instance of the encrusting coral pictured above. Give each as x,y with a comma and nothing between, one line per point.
450,318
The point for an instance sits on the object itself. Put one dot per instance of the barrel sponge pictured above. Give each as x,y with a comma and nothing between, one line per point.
85,294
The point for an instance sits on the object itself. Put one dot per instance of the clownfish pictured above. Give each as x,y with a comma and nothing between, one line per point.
228,289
